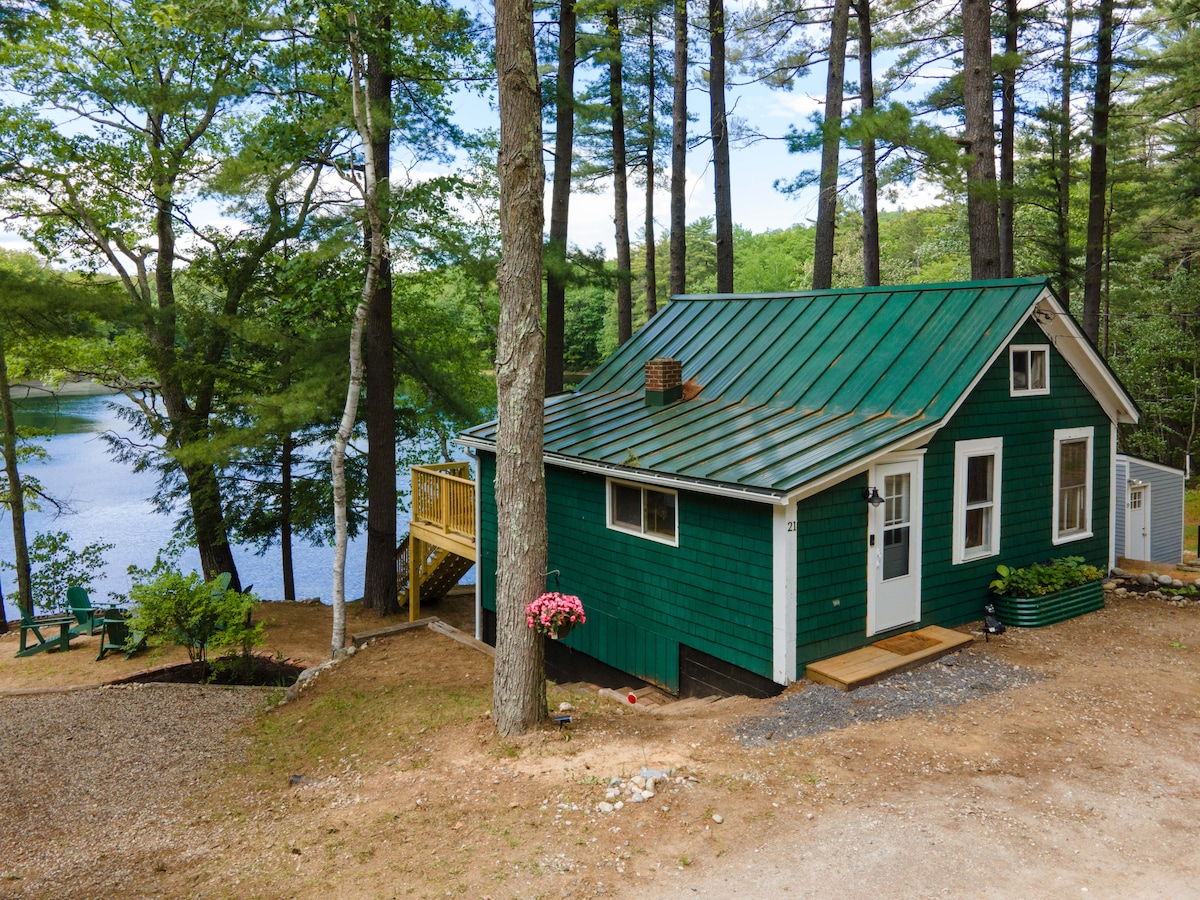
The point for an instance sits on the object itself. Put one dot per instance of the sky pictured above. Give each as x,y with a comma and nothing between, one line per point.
755,167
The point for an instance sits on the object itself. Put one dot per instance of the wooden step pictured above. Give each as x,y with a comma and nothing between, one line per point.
872,663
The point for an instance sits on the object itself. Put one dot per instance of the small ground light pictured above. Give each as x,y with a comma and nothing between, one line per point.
632,697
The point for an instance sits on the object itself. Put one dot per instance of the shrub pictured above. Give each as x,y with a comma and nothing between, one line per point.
55,566
197,615
1039,579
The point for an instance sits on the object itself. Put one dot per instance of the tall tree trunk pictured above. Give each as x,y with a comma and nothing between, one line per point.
982,212
1098,183
519,686
560,198
363,120
720,138
379,581
189,422
285,518
678,274
16,495
1008,125
620,179
1063,218
651,145
831,143
870,179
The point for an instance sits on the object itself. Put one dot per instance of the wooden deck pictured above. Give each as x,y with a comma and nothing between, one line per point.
887,657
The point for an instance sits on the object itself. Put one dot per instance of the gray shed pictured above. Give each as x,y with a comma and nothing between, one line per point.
1148,501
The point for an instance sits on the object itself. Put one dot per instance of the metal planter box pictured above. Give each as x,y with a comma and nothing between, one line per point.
1036,612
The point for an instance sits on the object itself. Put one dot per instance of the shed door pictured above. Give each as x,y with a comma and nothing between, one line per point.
1137,522
894,547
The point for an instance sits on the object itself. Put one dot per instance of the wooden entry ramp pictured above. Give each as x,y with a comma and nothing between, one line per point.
887,657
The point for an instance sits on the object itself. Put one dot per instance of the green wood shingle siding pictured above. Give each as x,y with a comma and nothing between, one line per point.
953,594
644,598
831,572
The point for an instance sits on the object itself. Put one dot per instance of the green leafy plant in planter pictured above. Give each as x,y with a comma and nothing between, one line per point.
1039,579
1045,593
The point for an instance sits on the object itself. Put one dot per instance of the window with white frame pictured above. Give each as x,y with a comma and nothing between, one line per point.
977,468
1072,484
1029,369
644,511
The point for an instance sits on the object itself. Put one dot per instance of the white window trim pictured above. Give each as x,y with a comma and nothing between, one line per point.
1061,436
964,450
1013,390
642,533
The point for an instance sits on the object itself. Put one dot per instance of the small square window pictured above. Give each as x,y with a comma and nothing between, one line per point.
1029,369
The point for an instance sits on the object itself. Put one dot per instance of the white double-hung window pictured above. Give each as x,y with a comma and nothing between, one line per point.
977,471
1072,484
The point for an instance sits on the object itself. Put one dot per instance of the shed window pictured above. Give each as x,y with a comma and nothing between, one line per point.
977,469
1072,484
645,511
1029,367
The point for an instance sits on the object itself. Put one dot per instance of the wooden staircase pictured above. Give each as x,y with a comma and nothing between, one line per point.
439,571
440,545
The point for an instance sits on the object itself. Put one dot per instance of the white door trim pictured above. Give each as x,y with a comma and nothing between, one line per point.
1144,542
875,527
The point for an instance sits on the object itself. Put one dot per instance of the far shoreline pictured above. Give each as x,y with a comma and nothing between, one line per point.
36,389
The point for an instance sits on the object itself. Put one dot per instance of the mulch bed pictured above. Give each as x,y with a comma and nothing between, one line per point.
261,672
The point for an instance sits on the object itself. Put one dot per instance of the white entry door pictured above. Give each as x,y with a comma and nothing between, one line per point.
1137,522
894,547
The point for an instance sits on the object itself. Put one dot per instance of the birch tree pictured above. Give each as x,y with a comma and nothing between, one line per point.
376,255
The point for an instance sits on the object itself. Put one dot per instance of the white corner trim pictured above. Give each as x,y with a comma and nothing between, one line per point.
478,555
783,630
1112,498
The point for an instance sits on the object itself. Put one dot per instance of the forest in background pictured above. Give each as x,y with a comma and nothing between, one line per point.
204,184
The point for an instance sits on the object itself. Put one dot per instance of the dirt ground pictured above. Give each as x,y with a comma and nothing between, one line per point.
386,779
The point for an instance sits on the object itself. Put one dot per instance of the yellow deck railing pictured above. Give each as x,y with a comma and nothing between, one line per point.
443,499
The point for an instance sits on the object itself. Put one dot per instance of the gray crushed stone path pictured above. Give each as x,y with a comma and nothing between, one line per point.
958,678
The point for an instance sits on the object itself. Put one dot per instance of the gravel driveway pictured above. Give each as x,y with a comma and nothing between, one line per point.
71,764
950,681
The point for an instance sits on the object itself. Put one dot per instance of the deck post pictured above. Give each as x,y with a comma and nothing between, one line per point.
416,551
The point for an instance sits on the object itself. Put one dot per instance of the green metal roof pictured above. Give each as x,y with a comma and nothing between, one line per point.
791,387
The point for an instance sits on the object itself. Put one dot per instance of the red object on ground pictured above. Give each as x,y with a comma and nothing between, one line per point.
633,698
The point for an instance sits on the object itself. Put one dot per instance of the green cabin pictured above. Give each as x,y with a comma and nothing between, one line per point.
757,482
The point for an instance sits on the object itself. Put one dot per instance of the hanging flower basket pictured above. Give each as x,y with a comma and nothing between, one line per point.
554,614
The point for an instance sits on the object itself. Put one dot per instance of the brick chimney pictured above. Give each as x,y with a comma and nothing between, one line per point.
664,381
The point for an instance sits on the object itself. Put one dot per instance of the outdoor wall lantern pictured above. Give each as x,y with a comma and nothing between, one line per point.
871,495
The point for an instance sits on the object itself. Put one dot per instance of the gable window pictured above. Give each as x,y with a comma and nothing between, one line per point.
1029,370
1072,484
977,468
644,511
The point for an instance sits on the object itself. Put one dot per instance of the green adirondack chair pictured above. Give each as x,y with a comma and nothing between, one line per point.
114,634
61,641
87,616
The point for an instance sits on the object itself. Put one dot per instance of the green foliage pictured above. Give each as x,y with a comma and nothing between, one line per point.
191,613
1039,579
57,566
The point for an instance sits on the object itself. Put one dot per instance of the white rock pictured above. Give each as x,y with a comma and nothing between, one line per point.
718,818
605,807
612,794
565,707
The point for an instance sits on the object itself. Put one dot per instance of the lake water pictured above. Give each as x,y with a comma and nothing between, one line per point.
109,502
